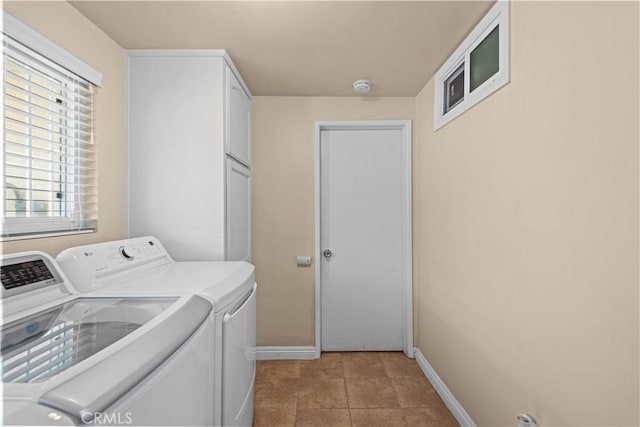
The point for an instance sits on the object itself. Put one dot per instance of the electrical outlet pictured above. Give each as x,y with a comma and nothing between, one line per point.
303,260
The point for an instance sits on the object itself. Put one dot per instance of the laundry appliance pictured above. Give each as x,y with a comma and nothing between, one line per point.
72,359
142,267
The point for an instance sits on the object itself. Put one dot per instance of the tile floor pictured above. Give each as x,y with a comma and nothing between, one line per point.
347,389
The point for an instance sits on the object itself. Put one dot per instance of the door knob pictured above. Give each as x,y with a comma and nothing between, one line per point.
327,253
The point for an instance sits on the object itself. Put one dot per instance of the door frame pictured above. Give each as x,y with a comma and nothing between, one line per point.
407,250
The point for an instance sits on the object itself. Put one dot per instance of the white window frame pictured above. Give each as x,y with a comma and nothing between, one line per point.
45,47
27,228
498,15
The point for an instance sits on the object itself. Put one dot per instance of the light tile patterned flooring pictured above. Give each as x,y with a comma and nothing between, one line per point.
369,389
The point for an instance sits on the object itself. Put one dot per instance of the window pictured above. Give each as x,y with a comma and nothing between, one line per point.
454,89
484,59
48,156
479,67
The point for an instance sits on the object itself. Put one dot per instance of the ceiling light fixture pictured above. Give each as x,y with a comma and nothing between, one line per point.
362,86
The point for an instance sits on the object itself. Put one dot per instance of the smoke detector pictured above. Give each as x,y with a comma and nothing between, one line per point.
362,86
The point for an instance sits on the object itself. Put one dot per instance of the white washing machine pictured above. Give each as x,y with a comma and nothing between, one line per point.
69,359
142,267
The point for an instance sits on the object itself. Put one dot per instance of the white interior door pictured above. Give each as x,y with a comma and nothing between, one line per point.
364,244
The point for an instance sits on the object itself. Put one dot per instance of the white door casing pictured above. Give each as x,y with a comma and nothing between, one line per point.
363,215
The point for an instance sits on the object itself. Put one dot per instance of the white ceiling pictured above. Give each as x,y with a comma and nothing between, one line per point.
302,48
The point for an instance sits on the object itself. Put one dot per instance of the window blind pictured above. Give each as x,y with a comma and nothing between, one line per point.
49,354
48,156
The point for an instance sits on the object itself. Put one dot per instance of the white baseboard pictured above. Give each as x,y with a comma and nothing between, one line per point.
443,391
284,352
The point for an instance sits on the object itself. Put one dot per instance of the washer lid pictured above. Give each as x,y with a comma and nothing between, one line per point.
109,378
32,414
39,346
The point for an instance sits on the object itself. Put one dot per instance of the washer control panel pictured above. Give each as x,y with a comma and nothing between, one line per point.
93,266
27,271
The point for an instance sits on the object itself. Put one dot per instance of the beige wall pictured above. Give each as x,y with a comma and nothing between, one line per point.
525,213
64,25
526,226
283,144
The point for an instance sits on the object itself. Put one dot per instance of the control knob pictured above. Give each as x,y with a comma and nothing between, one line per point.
128,252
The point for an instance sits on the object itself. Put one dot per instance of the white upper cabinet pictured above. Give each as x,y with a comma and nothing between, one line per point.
238,120
188,117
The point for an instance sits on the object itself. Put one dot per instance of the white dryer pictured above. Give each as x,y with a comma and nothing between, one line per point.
69,359
142,267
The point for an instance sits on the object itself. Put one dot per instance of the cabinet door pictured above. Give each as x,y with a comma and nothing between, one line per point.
239,121
238,211
176,168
